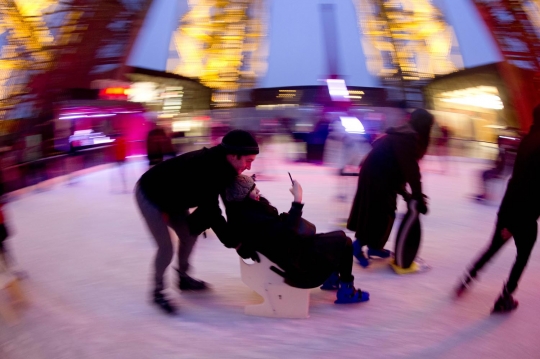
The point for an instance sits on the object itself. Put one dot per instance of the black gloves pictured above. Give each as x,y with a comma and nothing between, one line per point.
246,252
421,204
406,196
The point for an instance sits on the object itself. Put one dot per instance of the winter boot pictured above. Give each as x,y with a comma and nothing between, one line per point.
381,253
162,302
332,283
359,254
188,283
506,303
464,285
348,294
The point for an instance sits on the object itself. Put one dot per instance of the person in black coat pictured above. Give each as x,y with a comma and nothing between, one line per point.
517,217
307,259
167,191
384,173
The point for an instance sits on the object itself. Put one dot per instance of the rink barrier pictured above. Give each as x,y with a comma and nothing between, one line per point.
30,174
280,300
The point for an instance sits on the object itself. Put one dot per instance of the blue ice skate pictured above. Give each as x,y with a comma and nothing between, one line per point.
347,294
381,253
359,254
332,283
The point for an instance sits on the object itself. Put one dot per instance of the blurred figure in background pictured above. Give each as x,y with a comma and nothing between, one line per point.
316,140
386,170
33,158
168,190
74,163
158,146
6,256
517,217
504,163
120,153
307,259
441,147
4,234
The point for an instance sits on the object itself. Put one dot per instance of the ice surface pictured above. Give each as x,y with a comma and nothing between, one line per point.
88,257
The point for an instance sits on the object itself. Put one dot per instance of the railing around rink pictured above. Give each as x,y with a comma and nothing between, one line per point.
32,173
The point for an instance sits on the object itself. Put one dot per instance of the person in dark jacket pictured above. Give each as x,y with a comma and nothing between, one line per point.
158,146
307,259
167,191
387,169
517,217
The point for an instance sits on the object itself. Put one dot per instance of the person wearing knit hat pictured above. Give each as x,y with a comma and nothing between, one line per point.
307,259
240,189
387,169
240,142
166,193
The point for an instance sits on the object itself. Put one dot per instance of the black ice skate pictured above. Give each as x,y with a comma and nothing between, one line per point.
163,304
465,284
506,303
188,283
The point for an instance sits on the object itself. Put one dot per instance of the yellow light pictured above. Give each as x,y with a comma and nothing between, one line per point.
480,96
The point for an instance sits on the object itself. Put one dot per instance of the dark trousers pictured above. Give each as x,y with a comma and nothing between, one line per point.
160,231
335,249
346,262
378,232
316,258
524,235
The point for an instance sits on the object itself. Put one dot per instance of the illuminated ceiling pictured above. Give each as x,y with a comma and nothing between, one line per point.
479,96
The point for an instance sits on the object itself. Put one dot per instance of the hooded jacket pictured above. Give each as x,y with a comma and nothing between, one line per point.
391,164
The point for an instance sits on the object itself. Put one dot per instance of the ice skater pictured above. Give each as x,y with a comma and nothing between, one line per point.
503,166
387,169
517,218
308,259
167,191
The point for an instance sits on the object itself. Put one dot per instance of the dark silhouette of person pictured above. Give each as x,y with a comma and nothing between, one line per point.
158,146
308,259
167,191
517,218
387,169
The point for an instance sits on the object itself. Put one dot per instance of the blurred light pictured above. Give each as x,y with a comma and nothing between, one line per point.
220,43
143,92
480,96
181,126
270,107
352,124
69,117
337,89
115,91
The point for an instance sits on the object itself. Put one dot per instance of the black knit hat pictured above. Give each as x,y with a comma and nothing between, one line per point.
240,142
239,189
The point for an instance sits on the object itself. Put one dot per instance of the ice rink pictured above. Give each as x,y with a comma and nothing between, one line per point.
88,259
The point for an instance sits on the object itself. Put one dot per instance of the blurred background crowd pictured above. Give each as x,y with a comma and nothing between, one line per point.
167,77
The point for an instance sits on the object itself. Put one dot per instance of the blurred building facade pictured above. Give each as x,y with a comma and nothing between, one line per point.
230,55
